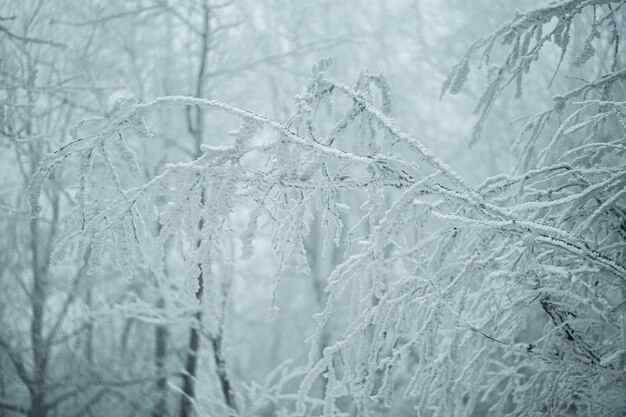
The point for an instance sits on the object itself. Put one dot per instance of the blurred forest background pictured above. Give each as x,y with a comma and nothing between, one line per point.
80,340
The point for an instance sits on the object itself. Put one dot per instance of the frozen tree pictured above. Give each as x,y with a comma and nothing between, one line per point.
35,104
505,298
569,180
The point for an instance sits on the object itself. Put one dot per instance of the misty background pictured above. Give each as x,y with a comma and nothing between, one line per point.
80,337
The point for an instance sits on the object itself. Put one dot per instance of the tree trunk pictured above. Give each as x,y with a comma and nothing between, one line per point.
191,364
195,127
160,353
36,387
222,374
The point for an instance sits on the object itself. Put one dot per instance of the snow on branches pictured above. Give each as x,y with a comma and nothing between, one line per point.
504,298
525,35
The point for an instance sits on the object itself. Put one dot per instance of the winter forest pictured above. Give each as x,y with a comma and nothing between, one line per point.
320,208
